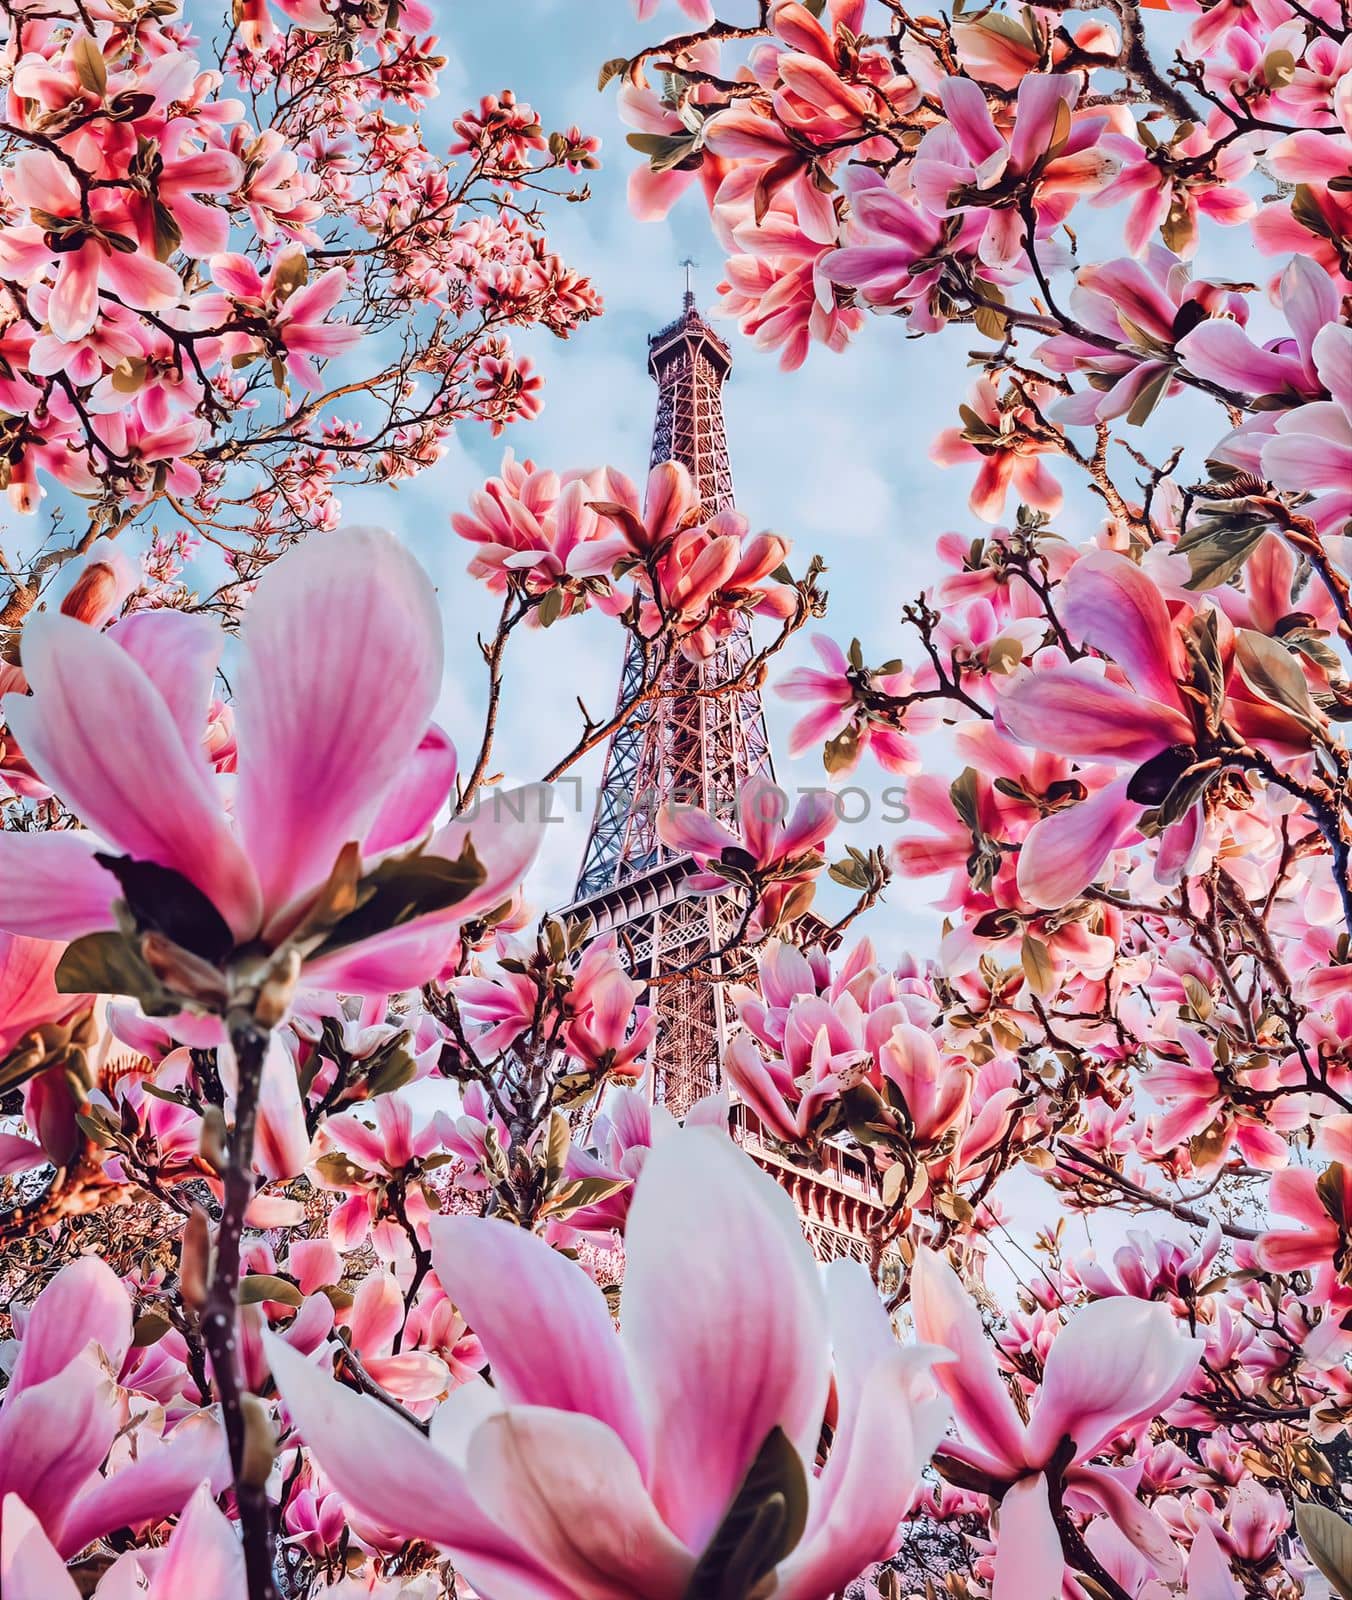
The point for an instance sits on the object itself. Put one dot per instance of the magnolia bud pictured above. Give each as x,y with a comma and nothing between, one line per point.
260,1442
194,1260
211,1144
277,988
94,595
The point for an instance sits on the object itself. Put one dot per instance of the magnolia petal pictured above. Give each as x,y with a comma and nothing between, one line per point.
389,1473
543,1323
707,1227
156,1485
152,800
1089,1399
563,1484
1029,1564
329,628
1065,851
945,1315
30,1567
84,1304
203,1557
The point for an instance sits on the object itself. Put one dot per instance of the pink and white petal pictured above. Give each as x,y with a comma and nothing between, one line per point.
156,1485
147,793
30,1566
707,1227
54,1436
51,887
390,963
83,1304
891,1418
543,1323
377,1314
564,1485
945,1315
417,794
1065,851
329,628
1029,1564
387,1472
1144,1529
1210,1576
203,1556
179,654
1073,712
1113,606
1088,1399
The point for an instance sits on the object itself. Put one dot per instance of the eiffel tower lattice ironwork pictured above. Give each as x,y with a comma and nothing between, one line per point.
695,745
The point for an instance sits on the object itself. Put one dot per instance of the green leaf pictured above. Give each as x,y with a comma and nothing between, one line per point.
90,67
1274,675
1036,960
962,792
763,1524
558,1142
404,888
1306,210
149,1328
1149,397
841,753
1328,1541
581,1192
259,1286
1217,553
110,963
664,151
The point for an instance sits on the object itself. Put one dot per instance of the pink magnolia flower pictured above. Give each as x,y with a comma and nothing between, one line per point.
329,627
896,253
602,1465
1146,308
203,1557
375,1156
777,853
997,434
294,311
534,530
1169,187
609,1032
1082,1405
89,253
966,165
60,1418
851,714
1321,1203
1311,449
1221,351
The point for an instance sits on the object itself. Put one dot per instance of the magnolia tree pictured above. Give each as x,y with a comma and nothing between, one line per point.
329,1167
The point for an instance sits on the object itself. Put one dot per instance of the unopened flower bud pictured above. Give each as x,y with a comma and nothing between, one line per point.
274,995
260,1442
211,1144
194,1260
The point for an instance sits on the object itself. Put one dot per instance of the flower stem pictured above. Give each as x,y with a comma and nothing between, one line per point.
220,1320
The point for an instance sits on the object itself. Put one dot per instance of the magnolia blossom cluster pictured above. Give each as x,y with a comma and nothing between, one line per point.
408,1287
192,248
555,545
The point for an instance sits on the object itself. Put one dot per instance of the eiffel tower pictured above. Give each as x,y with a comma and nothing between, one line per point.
696,747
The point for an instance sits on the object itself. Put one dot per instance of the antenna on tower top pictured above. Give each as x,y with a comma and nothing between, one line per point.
689,264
